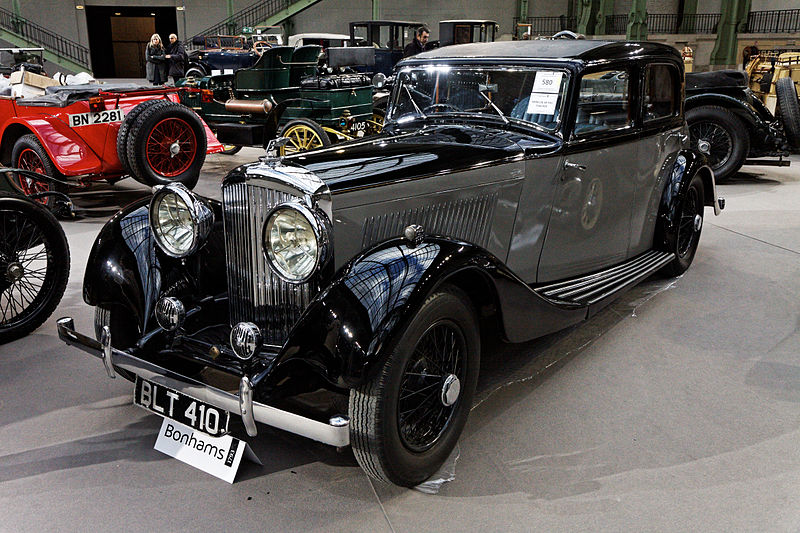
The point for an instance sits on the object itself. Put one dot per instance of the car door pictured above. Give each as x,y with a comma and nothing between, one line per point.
589,225
663,134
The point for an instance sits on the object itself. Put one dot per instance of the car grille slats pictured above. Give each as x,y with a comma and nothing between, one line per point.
255,293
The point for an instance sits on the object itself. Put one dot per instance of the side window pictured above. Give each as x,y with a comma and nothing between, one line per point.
603,103
661,92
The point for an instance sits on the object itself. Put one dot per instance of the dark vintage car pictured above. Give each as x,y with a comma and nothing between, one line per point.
342,294
220,53
729,124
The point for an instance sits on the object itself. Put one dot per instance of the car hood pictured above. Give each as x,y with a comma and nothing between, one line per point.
407,154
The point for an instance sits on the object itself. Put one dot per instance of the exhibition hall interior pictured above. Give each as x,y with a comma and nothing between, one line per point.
316,265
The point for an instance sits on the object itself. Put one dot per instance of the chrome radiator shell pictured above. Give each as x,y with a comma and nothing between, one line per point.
255,293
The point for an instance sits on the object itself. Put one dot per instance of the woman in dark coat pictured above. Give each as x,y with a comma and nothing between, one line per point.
176,57
156,66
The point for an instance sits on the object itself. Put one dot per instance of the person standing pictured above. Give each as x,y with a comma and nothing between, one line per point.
419,44
176,58
156,66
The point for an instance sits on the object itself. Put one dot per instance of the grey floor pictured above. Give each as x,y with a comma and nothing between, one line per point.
676,409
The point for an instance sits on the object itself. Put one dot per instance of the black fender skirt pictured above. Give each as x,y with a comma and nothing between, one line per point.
350,327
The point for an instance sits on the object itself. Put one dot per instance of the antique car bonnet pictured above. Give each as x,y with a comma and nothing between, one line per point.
426,151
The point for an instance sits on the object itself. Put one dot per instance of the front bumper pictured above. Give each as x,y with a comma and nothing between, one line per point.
335,433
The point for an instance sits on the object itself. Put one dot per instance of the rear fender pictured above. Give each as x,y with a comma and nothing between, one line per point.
349,329
68,152
685,166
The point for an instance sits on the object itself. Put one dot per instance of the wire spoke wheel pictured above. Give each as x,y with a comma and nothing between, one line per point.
25,261
375,122
30,160
171,147
423,411
714,141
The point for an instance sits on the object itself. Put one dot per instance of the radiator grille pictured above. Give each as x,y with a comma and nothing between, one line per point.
255,293
468,219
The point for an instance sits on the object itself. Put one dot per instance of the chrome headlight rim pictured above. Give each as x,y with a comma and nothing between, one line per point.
201,216
319,227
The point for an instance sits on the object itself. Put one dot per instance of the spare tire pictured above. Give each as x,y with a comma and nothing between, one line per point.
166,144
124,128
789,110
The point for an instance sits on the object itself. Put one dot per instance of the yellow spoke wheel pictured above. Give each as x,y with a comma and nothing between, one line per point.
303,135
375,122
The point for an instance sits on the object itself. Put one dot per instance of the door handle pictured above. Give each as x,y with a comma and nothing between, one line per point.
576,166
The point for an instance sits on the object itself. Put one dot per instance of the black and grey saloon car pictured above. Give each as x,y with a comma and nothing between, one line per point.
344,294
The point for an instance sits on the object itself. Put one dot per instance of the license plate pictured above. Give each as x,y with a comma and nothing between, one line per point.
96,117
181,408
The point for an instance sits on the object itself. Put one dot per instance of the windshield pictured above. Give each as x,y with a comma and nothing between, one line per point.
524,95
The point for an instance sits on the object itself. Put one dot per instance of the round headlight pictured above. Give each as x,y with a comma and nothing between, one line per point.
294,242
180,221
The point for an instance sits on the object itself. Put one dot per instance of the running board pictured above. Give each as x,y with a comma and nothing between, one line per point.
594,288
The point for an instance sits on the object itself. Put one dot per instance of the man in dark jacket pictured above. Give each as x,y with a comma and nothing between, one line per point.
176,57
419,44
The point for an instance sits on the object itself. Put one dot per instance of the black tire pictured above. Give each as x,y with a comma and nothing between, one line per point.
124,330
686,236
34,266
158,130
789,110
29,154
304,134
195,72
124,129
407,452
721,136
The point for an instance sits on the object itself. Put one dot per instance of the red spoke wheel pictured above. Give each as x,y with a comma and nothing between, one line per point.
171,147
124,130
166,143
29,154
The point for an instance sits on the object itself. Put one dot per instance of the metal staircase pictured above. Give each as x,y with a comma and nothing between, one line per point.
21,32
262,13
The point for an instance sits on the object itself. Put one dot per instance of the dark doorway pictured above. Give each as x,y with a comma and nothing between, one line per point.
118,36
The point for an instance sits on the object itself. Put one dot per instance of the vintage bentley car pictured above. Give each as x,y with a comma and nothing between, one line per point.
342,293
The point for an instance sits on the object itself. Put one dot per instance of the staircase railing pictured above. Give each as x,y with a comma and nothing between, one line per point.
249,16
49,40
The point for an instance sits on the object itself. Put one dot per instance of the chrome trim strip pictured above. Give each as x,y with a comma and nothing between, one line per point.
334,435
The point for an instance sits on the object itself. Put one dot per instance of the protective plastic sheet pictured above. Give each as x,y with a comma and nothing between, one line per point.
446,473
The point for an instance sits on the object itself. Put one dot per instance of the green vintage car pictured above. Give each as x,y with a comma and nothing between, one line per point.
288,93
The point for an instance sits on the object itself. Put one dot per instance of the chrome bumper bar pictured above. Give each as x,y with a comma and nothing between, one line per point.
335,433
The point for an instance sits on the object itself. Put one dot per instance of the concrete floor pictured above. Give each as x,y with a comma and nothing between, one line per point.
676,409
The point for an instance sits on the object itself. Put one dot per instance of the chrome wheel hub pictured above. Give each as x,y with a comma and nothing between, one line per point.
451,388
704,146
174,149
15,271
698,222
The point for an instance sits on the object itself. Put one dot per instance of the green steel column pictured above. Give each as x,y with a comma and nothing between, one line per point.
522,16
231,25
376,9
605,9
15,18
637,21
734,16
688,16
586,13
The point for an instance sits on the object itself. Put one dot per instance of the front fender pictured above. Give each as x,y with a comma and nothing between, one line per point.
69,153
349,329
126,267
686,165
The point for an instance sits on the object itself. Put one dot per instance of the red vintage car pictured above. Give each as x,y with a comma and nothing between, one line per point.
81,134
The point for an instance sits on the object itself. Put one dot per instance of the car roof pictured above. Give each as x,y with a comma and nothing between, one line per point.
403,22
569,49
469,21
